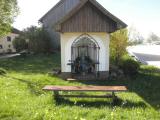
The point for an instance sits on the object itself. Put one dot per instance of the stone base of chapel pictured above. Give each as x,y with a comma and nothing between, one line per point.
102,75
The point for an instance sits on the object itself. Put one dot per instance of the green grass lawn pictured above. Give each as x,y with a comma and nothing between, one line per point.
22,98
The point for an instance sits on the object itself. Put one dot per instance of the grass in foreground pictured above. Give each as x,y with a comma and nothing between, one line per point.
22,98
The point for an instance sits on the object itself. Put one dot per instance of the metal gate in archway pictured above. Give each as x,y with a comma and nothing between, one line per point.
85,55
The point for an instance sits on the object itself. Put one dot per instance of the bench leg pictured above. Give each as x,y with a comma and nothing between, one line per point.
113,95
115,98
56,94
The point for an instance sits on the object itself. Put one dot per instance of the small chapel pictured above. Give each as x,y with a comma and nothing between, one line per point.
84,28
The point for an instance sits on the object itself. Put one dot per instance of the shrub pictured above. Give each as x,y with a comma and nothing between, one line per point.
130,67
118,45
2,71
19,43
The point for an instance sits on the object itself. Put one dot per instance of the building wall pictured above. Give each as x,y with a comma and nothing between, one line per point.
66,42
55,38
7,46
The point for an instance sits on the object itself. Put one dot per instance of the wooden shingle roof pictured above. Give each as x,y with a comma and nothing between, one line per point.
65,9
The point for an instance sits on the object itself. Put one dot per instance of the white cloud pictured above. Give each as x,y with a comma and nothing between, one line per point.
31,11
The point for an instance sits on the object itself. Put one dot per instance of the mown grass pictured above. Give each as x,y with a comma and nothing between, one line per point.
22,98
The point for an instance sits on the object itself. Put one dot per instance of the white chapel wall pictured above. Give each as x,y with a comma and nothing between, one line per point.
66,42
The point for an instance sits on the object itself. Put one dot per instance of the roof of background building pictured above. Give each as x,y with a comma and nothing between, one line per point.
15,30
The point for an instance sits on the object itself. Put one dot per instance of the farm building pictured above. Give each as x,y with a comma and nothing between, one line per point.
6,45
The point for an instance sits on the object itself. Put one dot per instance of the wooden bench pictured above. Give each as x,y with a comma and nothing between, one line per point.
112,89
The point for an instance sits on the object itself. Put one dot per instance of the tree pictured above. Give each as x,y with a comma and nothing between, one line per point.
135,38
34,39
119,42
8,12
20,43
153,38
39,40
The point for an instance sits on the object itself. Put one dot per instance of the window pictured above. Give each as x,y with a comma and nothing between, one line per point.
1,47
8,38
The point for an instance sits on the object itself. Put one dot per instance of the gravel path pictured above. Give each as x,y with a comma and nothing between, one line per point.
8,56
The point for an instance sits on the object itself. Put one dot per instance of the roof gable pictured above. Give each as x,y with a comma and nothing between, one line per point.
120,24
88,19
73,9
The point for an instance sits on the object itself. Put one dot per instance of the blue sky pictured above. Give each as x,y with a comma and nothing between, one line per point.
144,15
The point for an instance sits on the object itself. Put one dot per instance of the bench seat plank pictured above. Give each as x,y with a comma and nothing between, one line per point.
86,88
87,96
